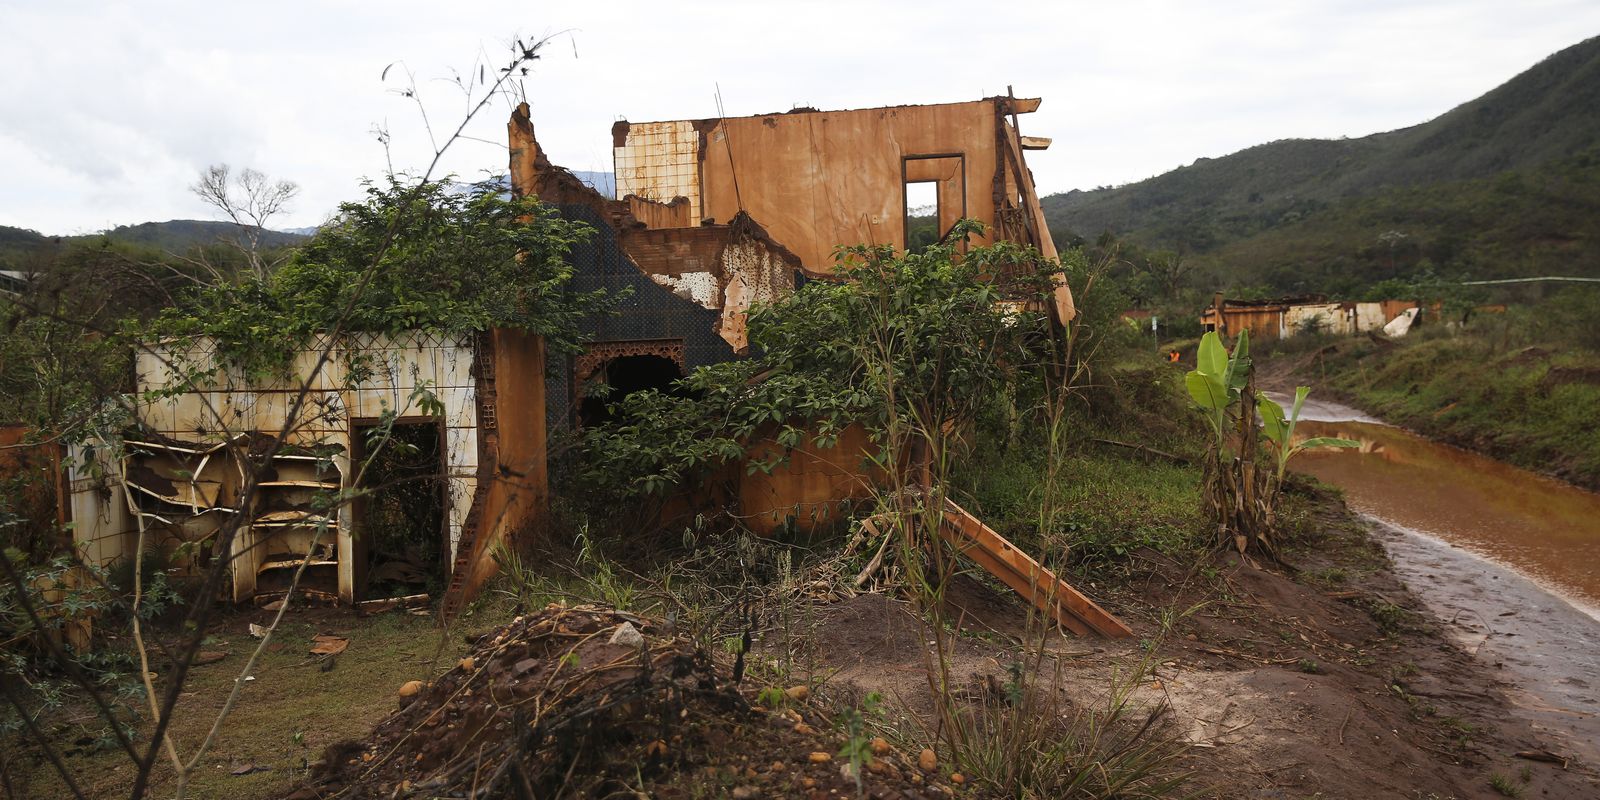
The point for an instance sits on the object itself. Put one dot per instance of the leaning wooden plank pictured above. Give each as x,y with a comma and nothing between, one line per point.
1026,576
1037,592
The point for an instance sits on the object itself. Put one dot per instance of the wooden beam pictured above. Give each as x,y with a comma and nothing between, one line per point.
1027,577
1025,105
1036,142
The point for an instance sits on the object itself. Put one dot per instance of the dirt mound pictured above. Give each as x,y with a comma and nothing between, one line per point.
591,702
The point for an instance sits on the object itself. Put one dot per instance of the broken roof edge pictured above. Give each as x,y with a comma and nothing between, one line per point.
1018,105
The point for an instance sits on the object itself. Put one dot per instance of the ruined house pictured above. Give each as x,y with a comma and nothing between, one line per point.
715,215
1286,317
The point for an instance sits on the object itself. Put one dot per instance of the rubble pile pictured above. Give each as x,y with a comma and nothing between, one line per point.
591,702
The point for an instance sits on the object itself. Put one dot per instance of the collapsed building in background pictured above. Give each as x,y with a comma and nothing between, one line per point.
1283,318
715,215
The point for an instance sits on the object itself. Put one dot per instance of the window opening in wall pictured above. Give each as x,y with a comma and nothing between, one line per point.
622,376
922,215
400,523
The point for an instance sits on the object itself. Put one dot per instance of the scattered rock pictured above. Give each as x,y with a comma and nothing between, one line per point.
880,746
467,664
627,636
797,694
744,792
820,757
957,778
805,729
324,644
410,688
209,657
927,760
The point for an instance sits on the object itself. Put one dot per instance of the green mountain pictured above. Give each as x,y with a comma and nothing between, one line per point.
181,234
21,248
1281,213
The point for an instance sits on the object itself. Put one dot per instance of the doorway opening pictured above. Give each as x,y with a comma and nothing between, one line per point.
400,525
935,197
622,376
922,215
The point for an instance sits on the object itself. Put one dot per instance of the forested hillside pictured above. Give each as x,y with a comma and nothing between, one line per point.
1503,185
23,249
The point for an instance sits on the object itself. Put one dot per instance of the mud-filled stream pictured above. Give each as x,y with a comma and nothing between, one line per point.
1509,559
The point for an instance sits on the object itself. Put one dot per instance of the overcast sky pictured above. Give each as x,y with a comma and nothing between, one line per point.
109,110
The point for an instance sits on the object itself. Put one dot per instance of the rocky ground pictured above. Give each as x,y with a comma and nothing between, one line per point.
1319,677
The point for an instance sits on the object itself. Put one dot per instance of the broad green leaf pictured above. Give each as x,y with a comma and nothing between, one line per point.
1213,357
1300,395
1239,364
1207,390
1328,441
1272,420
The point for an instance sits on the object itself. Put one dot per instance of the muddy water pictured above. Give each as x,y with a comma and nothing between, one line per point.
1539,527
1508,559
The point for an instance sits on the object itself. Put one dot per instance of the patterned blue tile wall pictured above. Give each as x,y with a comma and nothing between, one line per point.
651,311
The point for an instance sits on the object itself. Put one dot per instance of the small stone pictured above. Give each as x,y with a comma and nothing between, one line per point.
209,657
410,688
927,760
797,694
777,766
880,746
627,636
745,793
467,664
808,782
877,766
819,757
957,778
1193,638
804,729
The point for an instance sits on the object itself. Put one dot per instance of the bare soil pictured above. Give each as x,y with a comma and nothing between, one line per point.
1322,679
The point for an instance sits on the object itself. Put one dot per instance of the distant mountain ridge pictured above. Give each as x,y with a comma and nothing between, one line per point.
19,245
1549,112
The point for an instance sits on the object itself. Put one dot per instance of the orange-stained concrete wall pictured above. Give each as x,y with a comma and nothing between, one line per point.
811,486
515,477
819,179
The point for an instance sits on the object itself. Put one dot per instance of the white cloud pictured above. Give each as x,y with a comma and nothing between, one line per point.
111,109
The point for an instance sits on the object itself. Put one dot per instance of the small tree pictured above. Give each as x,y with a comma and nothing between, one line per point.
1241,496
250,200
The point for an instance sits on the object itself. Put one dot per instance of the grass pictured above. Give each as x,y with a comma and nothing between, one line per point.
1505,786
289,713
1113,502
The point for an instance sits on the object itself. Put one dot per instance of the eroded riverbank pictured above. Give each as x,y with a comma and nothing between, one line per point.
1509,560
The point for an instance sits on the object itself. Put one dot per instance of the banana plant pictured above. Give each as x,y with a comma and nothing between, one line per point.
1279,429
1219,378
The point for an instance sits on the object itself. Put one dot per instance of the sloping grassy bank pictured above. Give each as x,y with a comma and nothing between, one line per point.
1533,405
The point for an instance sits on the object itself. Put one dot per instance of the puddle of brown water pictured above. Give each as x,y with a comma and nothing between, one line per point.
1539,527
